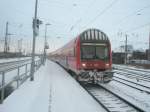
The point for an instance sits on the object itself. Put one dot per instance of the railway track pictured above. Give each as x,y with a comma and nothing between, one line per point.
133,75
133,69
141,73
13,62
114,99
111,101
9,65
132,84
136,72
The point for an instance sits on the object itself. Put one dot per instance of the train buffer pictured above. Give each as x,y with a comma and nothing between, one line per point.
53,90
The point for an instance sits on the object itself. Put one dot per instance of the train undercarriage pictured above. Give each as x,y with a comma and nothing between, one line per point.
94,77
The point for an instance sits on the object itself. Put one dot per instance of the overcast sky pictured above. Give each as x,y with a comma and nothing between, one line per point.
68,18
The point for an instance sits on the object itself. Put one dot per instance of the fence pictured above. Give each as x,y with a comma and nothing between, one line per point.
19,77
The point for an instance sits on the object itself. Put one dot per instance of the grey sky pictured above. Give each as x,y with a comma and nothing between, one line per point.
70,17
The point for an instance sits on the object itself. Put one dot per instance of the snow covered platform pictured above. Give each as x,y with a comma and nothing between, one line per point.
53,90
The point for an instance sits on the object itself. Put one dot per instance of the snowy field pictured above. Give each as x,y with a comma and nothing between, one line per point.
53,90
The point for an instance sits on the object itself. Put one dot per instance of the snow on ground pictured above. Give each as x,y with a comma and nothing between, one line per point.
53,90
141,99
9,75
4,60
132,67
145,83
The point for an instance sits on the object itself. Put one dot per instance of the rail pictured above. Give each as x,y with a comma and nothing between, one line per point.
110,101
19,77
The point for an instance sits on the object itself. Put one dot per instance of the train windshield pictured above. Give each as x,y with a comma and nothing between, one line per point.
94,52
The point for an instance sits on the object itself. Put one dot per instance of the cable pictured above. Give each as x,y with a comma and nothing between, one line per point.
136,12
102,12
79,20
138,27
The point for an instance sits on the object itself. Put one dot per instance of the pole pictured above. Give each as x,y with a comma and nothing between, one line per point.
33,45
126,48
6,39
44,59
45,45
20,46
149,47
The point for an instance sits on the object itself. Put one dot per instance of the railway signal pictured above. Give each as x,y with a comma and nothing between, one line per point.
36,24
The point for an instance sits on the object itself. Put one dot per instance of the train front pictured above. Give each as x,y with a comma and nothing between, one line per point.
95,57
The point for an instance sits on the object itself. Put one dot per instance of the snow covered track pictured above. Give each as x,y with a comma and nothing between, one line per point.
134,75
121,67
111,101
135,78
12,64
140,74
127,97
132,84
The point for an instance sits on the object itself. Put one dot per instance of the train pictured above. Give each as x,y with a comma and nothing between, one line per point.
88,57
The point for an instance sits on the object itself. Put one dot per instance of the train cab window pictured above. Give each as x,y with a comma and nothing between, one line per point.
94,52
101,52
88,52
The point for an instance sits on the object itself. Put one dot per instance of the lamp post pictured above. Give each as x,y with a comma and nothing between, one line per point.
45,43
33,45
149,48
126,48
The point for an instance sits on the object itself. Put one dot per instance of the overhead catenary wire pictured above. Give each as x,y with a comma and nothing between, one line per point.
132,14
80,19
102,12
138,27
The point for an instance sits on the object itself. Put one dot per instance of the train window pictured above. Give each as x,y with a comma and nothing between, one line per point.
94,52
101,52
74,52
71,52
88,52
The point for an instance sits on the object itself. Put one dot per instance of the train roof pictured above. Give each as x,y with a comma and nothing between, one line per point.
93,35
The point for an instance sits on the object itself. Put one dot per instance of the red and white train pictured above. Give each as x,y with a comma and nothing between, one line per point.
88,56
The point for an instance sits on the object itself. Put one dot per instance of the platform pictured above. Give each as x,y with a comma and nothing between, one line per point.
53,90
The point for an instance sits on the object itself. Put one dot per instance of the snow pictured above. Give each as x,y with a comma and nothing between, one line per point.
140,99
9,75
141,82
4,60
53,90
131,67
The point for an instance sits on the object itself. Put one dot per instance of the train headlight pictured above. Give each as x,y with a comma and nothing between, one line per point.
107,64
83,64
